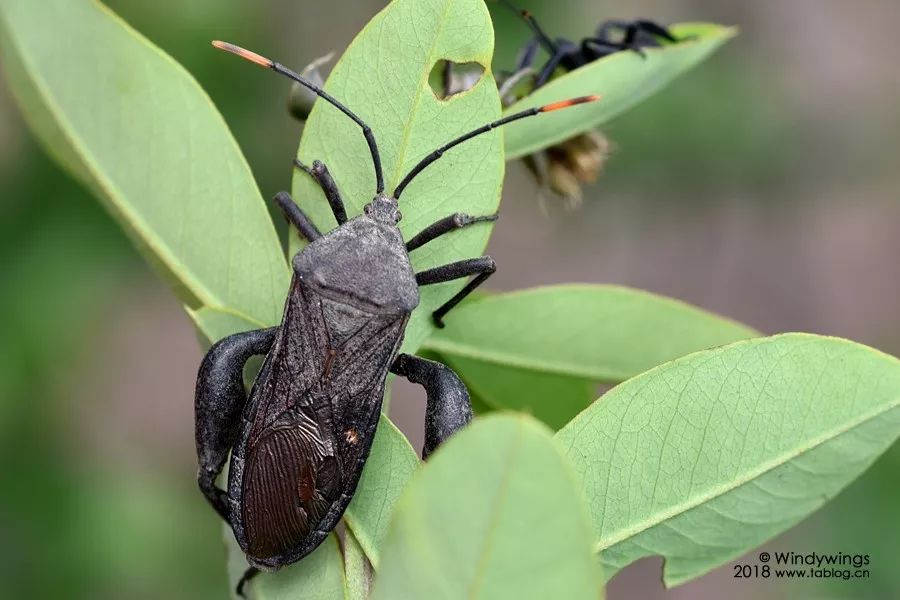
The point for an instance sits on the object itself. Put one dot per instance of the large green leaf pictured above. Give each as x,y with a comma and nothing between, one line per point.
383,76
706,457
134,126
622,79
496,513
319,576
596,332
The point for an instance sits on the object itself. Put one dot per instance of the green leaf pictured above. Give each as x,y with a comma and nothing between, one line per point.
215,324
319,576
136,128
357,568
706,457
383,77
553,399
595,332
388,469
495,513
622,79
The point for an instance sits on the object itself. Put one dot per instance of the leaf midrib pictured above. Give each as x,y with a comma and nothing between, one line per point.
417,100
440,344
722,490
499,500
530,364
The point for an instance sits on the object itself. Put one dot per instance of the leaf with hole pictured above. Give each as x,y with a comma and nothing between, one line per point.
622,80
383,76
706,457
135,127
476,522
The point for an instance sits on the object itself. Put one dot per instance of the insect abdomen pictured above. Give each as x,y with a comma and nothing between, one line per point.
290,481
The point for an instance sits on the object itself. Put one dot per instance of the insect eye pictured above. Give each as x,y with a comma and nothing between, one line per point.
399,216
367,209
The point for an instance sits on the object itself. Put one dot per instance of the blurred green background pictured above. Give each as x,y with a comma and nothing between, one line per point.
763,186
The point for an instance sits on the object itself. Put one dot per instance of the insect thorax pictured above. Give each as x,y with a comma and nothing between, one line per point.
365,262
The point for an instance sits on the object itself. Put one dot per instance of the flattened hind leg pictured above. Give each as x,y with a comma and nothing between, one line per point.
448,409
218,402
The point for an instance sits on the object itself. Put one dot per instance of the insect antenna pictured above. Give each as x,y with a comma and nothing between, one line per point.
279,68
549,45
484,129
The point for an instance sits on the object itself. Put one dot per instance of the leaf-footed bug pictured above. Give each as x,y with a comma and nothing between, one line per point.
299,442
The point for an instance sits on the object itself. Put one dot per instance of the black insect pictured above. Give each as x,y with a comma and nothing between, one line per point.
610,37
298,444
564,167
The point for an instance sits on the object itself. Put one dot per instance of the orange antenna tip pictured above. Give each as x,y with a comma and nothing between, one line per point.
244,53
567,103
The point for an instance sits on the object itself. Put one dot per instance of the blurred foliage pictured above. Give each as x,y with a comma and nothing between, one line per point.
692,139
61,511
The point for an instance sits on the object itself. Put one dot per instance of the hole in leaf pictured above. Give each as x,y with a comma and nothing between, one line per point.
448,78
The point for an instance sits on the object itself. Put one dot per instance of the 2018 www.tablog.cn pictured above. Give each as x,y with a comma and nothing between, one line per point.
810,565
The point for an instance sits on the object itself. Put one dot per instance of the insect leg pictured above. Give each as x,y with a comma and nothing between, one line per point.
296,217
547,70
447,79
506,88
445,225
598,48
482,268
218,402
634,35
320,173
645,26
249,574
542,38
447,409
606,28
526,55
